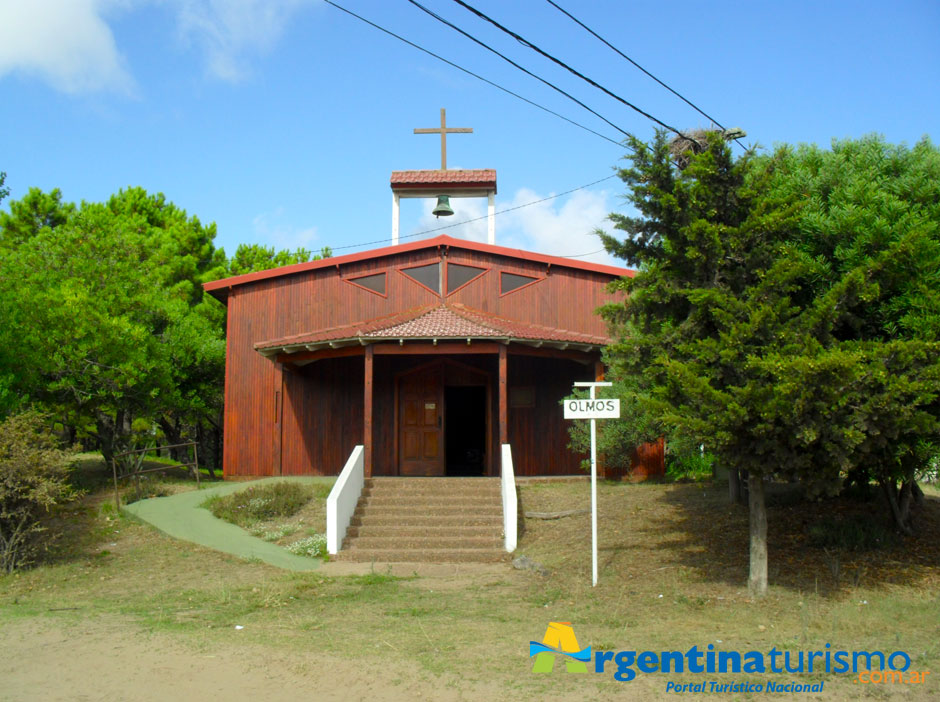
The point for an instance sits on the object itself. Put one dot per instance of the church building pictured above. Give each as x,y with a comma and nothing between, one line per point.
431,354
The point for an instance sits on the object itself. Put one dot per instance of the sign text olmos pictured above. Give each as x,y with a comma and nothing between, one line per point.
592,409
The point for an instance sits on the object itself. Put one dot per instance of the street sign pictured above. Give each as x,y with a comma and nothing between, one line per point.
592,409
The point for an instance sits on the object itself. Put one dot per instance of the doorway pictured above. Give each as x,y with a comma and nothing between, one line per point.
465,430
442,420
420,422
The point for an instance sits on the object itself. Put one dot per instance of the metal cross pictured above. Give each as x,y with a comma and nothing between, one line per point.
444,130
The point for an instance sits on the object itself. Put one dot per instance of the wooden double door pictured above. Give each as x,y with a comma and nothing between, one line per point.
443,417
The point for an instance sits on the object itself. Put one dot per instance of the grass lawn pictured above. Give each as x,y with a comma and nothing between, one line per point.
673,568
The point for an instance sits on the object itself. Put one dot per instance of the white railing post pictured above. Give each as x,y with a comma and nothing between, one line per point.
510,503
341,504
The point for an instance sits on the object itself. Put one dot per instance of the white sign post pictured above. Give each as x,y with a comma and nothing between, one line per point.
593,409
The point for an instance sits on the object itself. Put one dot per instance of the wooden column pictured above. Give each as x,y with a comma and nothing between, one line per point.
276,468
598,371
503,400
367,411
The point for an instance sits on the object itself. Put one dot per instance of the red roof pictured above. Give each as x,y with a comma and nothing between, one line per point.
220,288
482,178
443,322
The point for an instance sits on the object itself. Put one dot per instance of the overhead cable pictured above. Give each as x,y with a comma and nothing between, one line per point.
619,52
516,65
471,73
477,219
527,43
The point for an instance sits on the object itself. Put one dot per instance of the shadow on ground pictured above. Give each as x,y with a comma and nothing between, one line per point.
822,546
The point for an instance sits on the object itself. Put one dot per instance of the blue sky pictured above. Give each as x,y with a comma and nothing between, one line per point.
281,120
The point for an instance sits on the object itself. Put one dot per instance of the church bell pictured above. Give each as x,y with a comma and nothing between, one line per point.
442,208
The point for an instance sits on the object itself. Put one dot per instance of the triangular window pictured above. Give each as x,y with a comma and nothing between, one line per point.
513,281
459,275
373,283
429,276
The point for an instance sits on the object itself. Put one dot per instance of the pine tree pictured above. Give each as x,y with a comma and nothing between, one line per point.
734,327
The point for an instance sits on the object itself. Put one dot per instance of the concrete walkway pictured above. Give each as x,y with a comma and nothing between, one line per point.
181,517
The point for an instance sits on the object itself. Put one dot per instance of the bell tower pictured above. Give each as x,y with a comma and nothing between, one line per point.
444,184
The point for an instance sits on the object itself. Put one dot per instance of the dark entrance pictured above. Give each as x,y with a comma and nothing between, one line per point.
465,430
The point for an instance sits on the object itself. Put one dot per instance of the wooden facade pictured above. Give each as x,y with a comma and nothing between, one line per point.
430,354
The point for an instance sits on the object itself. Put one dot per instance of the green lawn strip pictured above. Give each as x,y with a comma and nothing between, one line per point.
182,517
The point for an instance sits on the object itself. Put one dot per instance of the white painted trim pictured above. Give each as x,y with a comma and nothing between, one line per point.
491,218
396,218
341,504
510,502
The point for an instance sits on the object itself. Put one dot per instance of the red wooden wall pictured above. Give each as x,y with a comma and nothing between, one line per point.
279,420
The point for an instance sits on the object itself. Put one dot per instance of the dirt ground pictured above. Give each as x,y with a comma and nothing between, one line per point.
103,659
121,612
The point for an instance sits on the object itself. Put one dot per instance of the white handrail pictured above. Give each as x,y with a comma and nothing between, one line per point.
510,503
341,504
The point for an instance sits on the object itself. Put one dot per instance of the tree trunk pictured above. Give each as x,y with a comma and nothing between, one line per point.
757,578
200,443
900,504
173,436
109,432
734,486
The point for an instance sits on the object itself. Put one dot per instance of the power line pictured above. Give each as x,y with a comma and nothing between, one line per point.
477,219
471,73
619,52
526,42
516,65
589,253
614,48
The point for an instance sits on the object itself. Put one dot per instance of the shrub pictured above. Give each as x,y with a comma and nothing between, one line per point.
33,480
312,546
275,533
689,465
260,503
853,533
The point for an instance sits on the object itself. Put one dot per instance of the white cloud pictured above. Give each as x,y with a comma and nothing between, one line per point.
227,30
65,42
464,209
559,227
271,230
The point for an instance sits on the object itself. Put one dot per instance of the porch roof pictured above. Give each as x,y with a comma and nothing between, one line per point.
450,322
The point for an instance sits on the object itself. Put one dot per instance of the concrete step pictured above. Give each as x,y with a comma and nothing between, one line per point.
412,501
424,541
428,530
426,520
420,555
444,520
429,510
483,490
432,481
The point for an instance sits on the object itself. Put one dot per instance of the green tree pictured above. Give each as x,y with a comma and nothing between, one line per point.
92,318
35,212
733,331
109,302
250,258
870,214
104,319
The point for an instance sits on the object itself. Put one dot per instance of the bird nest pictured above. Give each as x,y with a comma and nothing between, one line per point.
691,143
695,141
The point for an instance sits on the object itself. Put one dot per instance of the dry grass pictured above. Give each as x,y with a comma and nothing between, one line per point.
673,567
